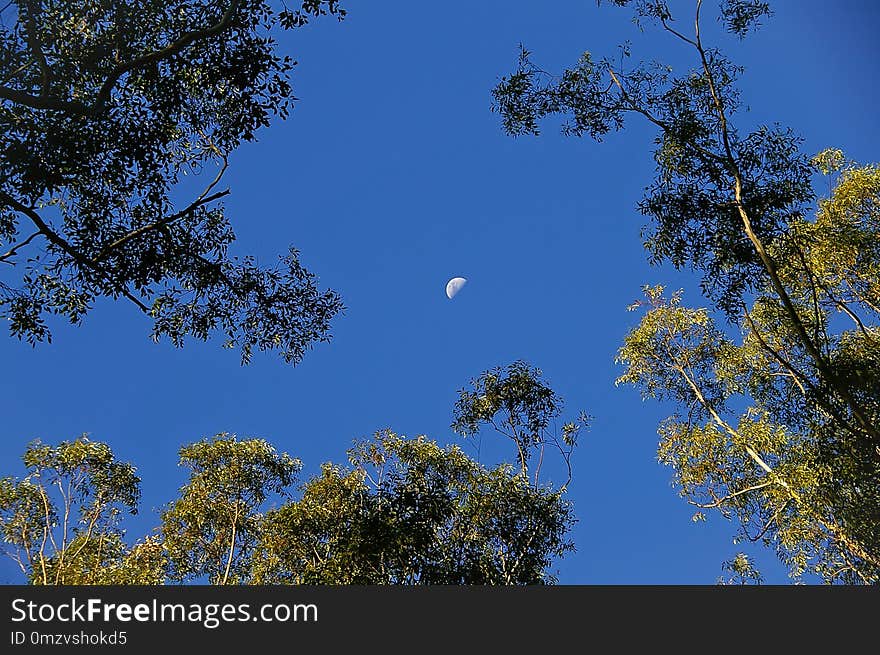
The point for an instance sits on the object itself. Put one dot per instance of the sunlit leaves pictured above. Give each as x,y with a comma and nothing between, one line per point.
757,437
403,511
211,529
62,519
104,559
742,571
410,512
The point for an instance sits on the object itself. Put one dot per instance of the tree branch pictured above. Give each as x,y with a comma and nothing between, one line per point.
158,224
799,377
768,263
46,102
231,545
720,501
14,250
202,199
771,521
54,238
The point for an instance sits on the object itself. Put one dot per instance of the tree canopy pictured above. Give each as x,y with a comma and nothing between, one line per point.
61,522
520,406
110,113
211,530
776,384
403,511
407,511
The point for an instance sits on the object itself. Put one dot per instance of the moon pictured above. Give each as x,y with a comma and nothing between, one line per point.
454,286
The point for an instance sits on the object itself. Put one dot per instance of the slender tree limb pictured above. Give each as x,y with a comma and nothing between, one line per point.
843,306
65,497
799,377
61,243
720,501
23,67
860,297
771,521
664,22
14,250
635,107
157,224
92,522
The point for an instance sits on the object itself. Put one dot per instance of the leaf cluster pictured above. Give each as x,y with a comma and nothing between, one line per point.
107,111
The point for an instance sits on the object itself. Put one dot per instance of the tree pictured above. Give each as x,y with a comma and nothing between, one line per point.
411,512
781,429
104,108
748,445
520,406
404,511
212,528
61,522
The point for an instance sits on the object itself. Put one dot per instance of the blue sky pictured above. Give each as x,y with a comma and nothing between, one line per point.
392,176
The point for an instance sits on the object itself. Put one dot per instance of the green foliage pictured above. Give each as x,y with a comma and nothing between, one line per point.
707,171
520,405
63,517
742,16
404,511
108,110
212,528
105,560
752,441
780,428
742,571
410,512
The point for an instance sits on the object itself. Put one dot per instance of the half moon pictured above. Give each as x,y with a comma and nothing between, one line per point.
454,286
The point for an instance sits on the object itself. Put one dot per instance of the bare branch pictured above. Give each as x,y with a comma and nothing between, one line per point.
664,22
720,501
14,250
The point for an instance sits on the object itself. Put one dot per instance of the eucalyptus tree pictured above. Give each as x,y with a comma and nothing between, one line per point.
117,120
402,511
779,426
210,531
61,522
407,511
520,406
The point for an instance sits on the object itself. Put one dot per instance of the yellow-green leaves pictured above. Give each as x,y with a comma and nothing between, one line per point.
828,161
757,435
62,520
211,529
409,511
